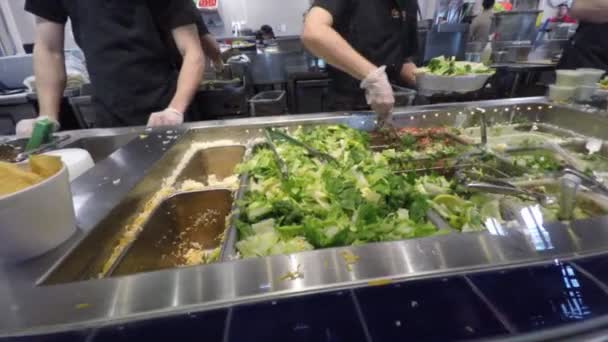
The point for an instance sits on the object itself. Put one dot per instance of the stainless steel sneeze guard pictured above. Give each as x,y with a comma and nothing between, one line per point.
109,195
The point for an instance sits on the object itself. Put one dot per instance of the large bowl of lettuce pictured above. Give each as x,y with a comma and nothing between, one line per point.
446,75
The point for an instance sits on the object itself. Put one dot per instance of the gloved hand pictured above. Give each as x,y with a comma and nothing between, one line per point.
379,93
408,73
168,117
25,128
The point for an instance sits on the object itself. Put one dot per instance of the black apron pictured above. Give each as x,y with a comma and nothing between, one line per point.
384,32
129,64
587,49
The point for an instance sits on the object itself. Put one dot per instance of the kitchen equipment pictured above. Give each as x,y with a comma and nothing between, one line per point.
561,94
37,219
78,161
41,134
277,156
569,185
311,151
515,26
310,95
219,84
179,233
521,5
505,188
54,143
446,40
590,181
268,103
511,51
403,97
499,56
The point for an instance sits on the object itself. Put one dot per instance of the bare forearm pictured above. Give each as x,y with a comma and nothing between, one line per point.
49,69
211,48
594,11
325,42
189,80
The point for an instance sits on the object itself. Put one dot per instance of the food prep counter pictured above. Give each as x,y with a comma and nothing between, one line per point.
128,271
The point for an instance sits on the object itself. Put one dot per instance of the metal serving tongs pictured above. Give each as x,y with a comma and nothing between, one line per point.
506,188
588,179
384,124
277,157
7,150
311,151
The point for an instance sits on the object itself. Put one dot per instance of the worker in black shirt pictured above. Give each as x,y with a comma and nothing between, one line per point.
211,48
589,46
369,44
134,78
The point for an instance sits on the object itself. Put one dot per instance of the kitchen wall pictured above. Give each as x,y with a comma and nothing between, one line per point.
285,16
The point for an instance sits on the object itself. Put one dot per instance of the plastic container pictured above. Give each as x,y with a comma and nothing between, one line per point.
590,77
585,93
268,103
568,78
78,161
404,97
37,219
561,94
601,94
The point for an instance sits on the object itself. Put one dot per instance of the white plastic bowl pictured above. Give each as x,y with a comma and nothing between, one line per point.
429,84
37,219
590,77
561,94
568,78
77,160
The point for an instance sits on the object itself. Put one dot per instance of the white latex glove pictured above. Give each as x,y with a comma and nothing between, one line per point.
168,117
25,128
379,93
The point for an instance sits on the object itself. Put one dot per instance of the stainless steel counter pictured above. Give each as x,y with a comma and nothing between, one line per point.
30,307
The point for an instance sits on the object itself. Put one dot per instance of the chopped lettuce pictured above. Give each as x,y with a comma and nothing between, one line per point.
461,214
442,66
433,186
355,201
604,83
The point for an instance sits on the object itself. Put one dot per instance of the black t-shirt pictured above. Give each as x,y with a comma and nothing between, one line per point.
124,41
383,31
588,48
202,31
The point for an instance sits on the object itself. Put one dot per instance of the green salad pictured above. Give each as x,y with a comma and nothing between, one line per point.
604,83
442,66
353,201
537,162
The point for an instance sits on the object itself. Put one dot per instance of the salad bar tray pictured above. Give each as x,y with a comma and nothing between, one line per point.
225,215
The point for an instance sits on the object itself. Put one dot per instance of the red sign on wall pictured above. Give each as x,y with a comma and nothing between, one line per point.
207,4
